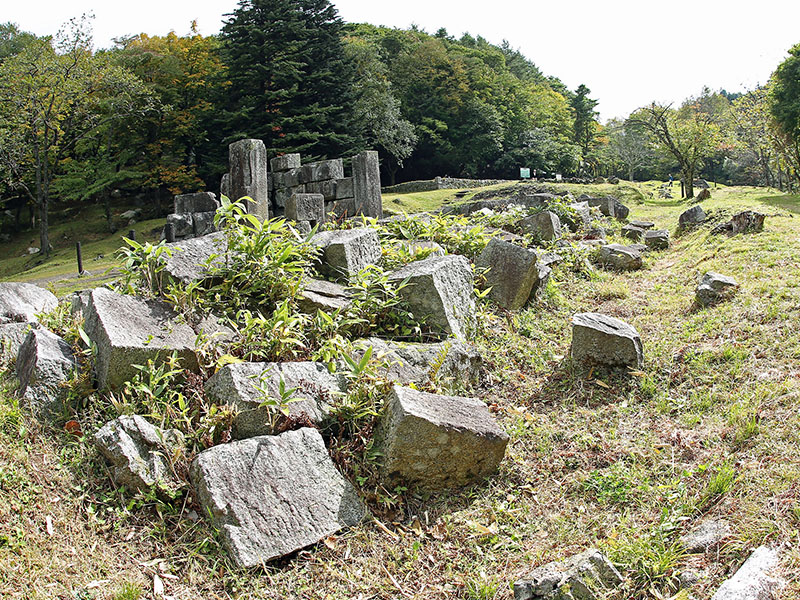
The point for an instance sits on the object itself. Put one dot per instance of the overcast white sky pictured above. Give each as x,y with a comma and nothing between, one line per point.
629,52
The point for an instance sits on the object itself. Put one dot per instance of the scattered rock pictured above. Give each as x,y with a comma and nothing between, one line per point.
621,257
346,252
440,291
438,442
198,202
285,162
584,213
586,576
657,239
543,226
714,287
633,233
451,361
239,385
183,223
322,295
706,535
190,260
44,363
642,224
203,223
306,207
140,454
129,331
367,184
747,221
13,334
512,273
21,302
703,195
693,216
596,233
755,579
599,339
270,496
613,180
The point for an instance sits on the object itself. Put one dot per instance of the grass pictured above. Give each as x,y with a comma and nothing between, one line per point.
709,428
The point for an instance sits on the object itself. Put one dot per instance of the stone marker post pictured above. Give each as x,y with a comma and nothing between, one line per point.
367,184
247,161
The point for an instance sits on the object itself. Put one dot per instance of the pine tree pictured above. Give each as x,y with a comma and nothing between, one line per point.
585,118
290,84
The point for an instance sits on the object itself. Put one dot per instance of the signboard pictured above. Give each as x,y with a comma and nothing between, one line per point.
558,176
524,173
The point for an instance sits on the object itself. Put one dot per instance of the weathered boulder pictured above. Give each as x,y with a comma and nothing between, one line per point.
657,239
322,295
586,576
367,184
706,535
691,217
440,290
247,160
583,212
512,273
270,496
642,224
44,363
748,221
306,207
129,331
704,195
621,257
322,170
190,260
182,223
543,226
225,185
198,202
242,385
284,162
78,303
609,206
20,302
12,335
599,339
621,211
595,233
756,579
714,287
450,362
345,253
203,223
141,454
633,233
438,442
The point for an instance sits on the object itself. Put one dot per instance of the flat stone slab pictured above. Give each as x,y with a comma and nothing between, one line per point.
44,362
657,239
756,579
599,339
238,385
449,362
20,302
440,290
128,331
198,202
270,496
642,224
706,535
512,272
438,442
191,259
322,295
714,287
345,253
621,257
633,233
139,453
586,576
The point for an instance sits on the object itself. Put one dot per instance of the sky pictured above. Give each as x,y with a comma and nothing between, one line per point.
629,53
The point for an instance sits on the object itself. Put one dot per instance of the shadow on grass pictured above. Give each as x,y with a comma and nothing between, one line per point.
790,203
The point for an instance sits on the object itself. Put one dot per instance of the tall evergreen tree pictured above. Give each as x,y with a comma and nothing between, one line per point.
585,118
290,84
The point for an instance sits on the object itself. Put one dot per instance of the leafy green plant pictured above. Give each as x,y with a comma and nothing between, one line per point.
277,406
275,338
145,264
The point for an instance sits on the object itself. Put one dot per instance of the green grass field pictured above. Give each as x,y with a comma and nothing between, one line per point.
709,428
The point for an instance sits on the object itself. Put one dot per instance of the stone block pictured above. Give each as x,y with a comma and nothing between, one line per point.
322,170
512,273
284,162
247,161
44,362
282,195
242,386
436,442
306,207
693,216
140,454
621,257
367,184
543,226
714,287
183,223
203,223
440,290
344,188
191,259
757,579
583,212
21,302
270,496
586,576
326,188
346,252
599,339
706,535
633,233
130,331
642,224
657,239
340,209
199,202
322,295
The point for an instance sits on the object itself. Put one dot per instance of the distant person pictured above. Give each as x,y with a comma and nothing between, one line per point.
670,180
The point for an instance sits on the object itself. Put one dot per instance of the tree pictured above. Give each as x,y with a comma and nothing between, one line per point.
12,40
750,126
785,108
290,84
49,98
630,145
688,134
585,126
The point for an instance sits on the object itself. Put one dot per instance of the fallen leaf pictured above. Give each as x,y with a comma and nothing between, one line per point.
416,527
602,384
330,542
73,427
158,585
48,521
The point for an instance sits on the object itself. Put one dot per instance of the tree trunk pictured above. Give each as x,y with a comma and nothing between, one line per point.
630,173
688,178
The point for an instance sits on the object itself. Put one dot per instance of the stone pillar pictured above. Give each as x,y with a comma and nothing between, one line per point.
247,161
367,184
225,186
